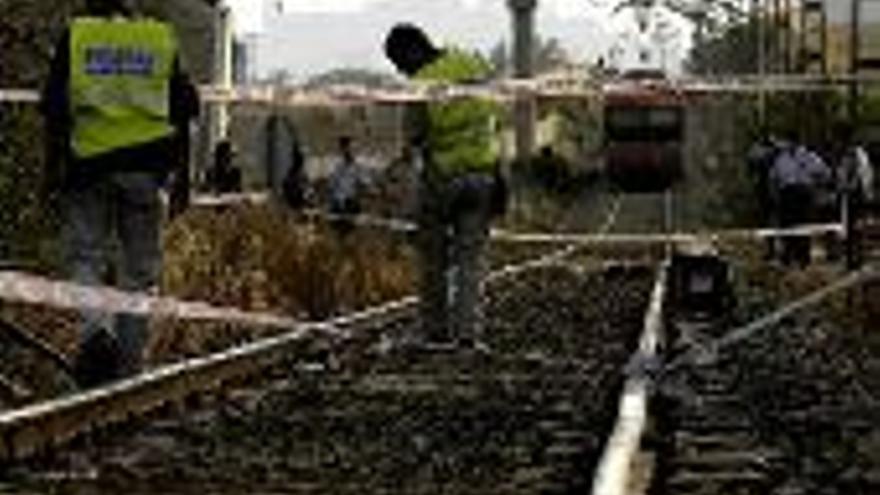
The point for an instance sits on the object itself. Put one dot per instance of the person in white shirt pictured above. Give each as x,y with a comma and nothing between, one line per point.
855,187
348,183
797,176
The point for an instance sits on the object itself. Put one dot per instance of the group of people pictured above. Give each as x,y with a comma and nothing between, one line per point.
797,185
118,108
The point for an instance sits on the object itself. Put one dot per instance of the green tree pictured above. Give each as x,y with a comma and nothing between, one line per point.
708,17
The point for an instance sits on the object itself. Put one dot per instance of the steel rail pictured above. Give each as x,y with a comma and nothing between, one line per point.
709,353
26,431
618,465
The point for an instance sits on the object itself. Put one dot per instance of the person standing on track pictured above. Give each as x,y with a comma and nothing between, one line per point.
797,176
459,185
855,187
117,108
760,161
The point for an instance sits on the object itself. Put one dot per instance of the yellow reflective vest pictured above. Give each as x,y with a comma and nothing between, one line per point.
460,133
120,72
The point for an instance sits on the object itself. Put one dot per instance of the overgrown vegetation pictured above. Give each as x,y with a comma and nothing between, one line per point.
262,258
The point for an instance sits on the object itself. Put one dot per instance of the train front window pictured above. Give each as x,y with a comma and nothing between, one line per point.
665,123
643,124
626,124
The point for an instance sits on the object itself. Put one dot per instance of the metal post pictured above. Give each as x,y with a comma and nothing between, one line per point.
855,54
218,113
523,62
774,37
854,115
787,40
758,9
853,255
802,62
824,41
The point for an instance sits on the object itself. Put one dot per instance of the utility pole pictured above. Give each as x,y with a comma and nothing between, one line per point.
759,16
855,59
774,36
222,67
787,33
523,63
216,126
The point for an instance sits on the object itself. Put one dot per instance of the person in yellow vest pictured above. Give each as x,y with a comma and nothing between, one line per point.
117,108
460,185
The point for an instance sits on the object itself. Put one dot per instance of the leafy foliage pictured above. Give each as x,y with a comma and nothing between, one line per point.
27,33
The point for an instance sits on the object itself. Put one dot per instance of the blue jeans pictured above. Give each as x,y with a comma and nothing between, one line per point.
115,218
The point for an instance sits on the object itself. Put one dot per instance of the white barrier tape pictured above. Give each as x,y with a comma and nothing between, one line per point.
19,96
346,95
374,222
20,287
503,90
398,225
561,254
677,238
220,200
708,354
228,200
29,289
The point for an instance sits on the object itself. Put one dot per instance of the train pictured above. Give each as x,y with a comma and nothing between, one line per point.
644,120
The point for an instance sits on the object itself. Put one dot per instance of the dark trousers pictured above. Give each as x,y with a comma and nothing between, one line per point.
344,213
118,209
453,229
854,204
767,208
795,209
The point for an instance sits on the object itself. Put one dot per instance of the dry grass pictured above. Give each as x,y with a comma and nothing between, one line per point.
264,259
254,259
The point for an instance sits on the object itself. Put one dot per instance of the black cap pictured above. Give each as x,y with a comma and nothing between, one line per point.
108,7
409,48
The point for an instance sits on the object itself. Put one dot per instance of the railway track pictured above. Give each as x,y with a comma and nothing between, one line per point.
34,429
530,417
792,411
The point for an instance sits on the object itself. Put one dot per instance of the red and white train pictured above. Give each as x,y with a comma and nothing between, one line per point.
644,130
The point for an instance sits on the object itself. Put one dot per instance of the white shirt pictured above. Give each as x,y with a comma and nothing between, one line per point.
799,166
347,181
858,172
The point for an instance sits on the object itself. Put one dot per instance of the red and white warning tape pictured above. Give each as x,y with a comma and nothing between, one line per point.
500,235
572,87
25,288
